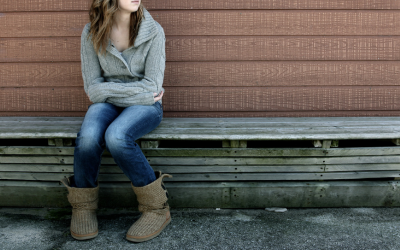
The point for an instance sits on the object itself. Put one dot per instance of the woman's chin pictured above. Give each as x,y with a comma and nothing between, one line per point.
131,9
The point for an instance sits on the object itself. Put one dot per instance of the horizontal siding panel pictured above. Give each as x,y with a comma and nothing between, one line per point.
219,48
282,99
273,4
279,22
192,114
191,48
44,5
43,99
286,73
61,49
59,74
220,74
42,24
218,22
217,114
70,5
218,99
43,114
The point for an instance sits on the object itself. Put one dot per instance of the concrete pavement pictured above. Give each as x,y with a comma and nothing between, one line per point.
343,228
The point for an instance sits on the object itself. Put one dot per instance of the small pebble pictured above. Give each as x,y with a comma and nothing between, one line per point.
218,208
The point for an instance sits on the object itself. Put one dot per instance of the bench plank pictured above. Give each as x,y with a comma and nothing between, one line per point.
212,194
195,123
213,161
112,169
215,176
222,152
243,134
304,128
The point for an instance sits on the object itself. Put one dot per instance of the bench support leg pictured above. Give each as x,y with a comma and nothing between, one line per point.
335,144
396,142
150,144
317,143
326,144
234,144
60,142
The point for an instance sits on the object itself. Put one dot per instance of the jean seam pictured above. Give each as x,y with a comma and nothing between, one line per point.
159,109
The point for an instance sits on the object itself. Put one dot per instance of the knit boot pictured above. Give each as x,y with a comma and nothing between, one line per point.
153,204
84,204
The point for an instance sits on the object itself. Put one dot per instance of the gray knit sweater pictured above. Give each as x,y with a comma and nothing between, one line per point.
127,78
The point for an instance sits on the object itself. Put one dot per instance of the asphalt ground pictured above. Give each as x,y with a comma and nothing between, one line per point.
339,228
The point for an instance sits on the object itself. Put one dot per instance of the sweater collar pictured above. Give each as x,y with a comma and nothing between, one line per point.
147,30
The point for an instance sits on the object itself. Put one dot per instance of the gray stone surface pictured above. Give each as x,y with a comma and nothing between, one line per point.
344,228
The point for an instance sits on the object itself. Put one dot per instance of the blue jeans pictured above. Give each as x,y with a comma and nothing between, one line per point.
116,129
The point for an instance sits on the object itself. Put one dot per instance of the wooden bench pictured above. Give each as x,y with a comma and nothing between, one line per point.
218,162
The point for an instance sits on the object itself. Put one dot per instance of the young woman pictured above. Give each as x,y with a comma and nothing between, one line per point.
123,63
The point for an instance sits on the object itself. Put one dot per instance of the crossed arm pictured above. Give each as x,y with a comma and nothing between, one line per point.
140,92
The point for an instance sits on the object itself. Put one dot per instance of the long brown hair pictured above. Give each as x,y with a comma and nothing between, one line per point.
101,17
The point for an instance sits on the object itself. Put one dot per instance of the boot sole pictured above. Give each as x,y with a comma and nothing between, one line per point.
149,237
84,236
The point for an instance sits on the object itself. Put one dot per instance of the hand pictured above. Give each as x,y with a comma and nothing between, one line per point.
158,97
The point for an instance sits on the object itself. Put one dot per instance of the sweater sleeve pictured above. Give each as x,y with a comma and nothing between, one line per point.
97,89
153,75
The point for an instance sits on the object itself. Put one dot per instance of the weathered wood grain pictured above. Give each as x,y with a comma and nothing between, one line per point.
73,5
163,133
214,161
35,150
222,48
196,124
114,169
335,121
252,176
34,159
219,22
220,74
226,129
361,167
212,194
215,176
24,124
221,152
